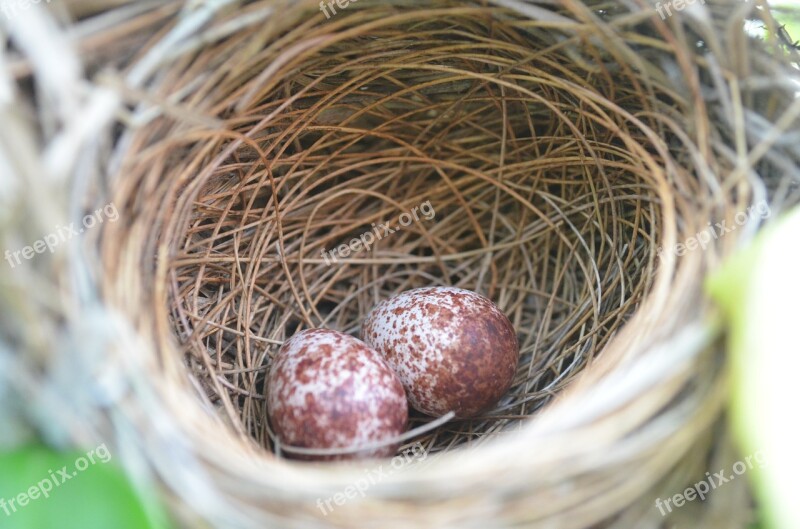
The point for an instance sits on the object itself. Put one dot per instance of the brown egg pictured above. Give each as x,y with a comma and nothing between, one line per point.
453,349
327,389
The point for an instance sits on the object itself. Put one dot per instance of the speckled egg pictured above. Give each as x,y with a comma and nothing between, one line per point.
327,389
453,349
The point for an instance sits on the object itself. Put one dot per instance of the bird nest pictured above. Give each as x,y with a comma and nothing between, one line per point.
284,166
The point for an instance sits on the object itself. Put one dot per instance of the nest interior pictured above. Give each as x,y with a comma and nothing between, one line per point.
392,150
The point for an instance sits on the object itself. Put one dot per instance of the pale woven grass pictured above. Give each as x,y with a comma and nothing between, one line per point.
560,145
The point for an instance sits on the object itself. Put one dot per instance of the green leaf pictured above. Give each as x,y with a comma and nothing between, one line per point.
788,13
759,291
44,489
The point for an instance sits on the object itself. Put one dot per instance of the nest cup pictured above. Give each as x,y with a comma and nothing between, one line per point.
401,148
284,166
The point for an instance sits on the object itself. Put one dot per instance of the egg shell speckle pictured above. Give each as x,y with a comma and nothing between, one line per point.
453,349
327,389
